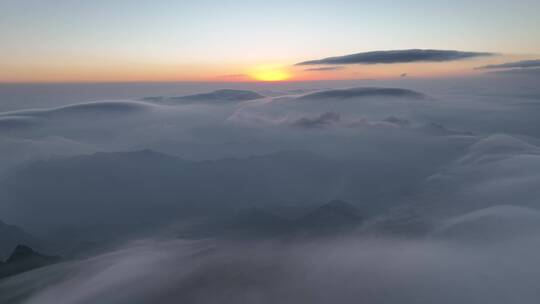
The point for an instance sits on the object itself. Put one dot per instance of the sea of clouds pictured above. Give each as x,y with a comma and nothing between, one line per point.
445,173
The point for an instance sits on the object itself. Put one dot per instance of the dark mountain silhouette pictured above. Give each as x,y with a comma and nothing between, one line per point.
107,193
331,218
11,235
24,258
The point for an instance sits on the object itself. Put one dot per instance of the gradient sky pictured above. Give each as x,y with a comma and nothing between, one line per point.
98,40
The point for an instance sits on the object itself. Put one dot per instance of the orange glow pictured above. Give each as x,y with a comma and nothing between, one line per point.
270,74
116,70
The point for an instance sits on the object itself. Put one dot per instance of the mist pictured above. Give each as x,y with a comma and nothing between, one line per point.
342,270
398,191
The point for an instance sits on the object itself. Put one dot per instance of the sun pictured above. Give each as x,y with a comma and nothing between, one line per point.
270,74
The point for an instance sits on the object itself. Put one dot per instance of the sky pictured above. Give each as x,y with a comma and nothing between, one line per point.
186,148
72,41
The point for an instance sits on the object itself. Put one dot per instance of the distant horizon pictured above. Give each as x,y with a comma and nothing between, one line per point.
235,41
255,151
254,81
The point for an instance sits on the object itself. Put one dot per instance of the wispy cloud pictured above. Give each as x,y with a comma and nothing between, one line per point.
516,64
398,56
323,69
319,121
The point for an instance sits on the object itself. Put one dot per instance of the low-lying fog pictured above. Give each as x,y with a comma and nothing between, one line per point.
402,191
341,270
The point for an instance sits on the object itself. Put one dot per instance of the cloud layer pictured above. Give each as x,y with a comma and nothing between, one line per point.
340,271
367,191
398,56
365,92
323,69
516,64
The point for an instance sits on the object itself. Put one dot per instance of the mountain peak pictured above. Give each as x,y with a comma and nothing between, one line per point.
21,252
25,259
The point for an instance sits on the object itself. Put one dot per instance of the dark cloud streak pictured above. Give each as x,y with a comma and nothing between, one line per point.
324,69
398,56
516,64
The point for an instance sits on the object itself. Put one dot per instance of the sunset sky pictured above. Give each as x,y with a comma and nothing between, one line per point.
75,40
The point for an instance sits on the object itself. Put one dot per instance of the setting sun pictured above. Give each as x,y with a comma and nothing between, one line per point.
269,74
306,151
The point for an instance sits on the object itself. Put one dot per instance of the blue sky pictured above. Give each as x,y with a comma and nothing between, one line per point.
70,36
